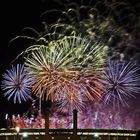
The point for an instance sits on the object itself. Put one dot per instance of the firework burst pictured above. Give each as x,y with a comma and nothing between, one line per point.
17,83
67,68
122,82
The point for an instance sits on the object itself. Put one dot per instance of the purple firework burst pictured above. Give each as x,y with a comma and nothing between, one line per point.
122,82
16,83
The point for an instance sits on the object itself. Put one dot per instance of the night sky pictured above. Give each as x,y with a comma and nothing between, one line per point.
17,14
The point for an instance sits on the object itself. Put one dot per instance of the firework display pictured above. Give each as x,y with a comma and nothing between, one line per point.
122,82
66,69
95,116
16,83
67,65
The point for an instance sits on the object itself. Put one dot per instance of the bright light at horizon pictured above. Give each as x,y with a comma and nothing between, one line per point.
96,135
25,134
17,129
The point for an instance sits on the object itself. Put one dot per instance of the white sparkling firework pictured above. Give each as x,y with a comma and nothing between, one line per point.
122,82
16,83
